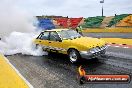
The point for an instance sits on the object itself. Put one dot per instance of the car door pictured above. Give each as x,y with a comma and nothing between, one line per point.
55,42
43,40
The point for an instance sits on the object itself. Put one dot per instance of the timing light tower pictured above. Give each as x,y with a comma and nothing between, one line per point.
102,7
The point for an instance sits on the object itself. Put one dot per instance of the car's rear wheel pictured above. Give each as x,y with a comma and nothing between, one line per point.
74,55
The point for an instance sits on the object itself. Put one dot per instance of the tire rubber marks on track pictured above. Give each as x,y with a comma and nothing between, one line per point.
120,45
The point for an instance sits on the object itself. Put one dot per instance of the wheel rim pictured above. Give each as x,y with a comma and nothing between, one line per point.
73,56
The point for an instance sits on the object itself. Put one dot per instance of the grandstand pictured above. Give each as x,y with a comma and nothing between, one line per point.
125,22
62,22
45,23
116,19
93,22
50,22
74,22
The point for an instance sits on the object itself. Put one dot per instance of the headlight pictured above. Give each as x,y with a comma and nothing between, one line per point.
98,49
94,50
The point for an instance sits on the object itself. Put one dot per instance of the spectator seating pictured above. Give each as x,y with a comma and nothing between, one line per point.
125,22
93,22
62,22
45,23
116,19
74,22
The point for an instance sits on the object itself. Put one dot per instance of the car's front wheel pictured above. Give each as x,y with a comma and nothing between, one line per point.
74,55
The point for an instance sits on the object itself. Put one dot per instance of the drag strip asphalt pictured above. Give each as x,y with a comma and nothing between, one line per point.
55,70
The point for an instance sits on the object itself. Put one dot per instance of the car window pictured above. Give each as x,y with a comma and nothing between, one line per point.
54,36
67,34
40,35
45,36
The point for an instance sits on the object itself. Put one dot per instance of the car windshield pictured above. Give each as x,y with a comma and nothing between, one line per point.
69,34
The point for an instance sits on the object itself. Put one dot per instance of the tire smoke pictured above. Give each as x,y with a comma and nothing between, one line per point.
16,30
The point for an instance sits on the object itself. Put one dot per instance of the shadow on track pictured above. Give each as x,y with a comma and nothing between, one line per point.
89,65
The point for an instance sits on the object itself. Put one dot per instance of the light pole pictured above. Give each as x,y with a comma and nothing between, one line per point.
102,7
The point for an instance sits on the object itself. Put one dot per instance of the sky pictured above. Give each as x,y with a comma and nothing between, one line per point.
70,8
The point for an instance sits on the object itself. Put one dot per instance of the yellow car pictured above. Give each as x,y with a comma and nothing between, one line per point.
67,41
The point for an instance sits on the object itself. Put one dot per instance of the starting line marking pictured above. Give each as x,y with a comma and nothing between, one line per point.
120,45
117,46
126,47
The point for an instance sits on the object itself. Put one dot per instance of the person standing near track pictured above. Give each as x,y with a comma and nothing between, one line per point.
79,30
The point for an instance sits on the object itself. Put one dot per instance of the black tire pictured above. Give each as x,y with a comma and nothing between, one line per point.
74,56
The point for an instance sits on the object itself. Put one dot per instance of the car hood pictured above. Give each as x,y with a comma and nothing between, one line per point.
88,42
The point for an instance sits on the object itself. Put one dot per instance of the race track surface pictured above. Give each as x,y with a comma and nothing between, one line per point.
56,71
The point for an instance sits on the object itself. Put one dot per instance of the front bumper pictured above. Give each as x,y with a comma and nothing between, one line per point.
97,52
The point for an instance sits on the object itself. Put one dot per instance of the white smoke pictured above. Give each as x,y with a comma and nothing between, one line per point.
16,30
12,18
18,42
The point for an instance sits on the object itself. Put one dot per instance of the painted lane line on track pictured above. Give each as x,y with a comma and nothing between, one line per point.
108,45
19,74
117,46
126,47
120,45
